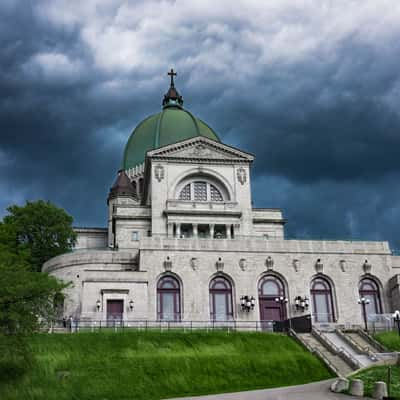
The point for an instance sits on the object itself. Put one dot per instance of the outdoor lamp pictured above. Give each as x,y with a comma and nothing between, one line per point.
98,305
301,303
396,319
131,305
364,302
281,299
247,303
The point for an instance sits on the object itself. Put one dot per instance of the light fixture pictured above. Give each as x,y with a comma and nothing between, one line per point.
247,303
98,305
301,303
396,319
131,305
364,302
281,300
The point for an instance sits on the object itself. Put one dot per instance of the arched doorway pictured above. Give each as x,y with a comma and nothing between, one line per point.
221,308
269,288
370,291
322,300
168,299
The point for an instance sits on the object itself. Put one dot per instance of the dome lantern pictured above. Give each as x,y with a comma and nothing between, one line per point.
172,98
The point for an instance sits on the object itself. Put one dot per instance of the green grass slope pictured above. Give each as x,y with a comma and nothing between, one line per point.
391,340
154,365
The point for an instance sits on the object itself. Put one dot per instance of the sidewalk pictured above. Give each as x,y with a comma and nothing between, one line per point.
312,391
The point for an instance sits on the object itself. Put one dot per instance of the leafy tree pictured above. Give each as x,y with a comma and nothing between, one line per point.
41,227
27,297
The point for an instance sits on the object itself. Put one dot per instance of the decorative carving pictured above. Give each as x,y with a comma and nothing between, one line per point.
219,264
159,172
243,264
296,264
342,264
269,262
194,263
367,266
241,175
319,266
168,264
201,150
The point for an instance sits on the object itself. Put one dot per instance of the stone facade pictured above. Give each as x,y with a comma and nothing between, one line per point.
192,219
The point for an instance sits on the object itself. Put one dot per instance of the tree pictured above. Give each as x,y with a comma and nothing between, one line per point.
28,236
41,227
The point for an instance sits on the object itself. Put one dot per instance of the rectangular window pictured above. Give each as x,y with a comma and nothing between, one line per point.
200,191
135,236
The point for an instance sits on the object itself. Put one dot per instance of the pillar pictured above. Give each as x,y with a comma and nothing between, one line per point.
212,231
228,231
178,230
194,230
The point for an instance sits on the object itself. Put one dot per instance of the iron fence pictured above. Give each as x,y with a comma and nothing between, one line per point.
77,325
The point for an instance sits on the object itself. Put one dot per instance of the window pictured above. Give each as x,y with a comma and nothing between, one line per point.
135,236
221,308
168,299
322,301
200,191
370,290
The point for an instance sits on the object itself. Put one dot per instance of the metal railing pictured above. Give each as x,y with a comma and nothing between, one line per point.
120,325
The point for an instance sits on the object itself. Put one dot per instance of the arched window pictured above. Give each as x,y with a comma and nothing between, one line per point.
370,290
221,308
322,301
200,191
269,288
168,299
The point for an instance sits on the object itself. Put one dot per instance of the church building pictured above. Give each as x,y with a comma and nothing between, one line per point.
184,244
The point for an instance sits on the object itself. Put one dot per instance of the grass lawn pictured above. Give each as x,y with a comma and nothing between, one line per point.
390,340
374,374
153,365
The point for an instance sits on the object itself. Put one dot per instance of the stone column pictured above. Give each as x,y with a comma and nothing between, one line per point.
228,231
212,231
194,230
178,230
170,229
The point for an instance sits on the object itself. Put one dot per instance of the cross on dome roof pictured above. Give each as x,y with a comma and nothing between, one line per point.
172,98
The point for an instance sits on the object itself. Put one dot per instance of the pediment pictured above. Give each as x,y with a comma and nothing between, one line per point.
200,148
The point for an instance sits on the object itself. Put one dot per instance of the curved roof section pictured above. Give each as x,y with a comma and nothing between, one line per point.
173,124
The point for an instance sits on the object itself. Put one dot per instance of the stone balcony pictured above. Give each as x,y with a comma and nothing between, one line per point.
260,244
202,208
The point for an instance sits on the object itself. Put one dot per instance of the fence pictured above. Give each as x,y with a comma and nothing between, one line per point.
118,325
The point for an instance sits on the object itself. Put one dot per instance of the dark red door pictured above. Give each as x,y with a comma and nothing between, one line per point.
115,310
270,310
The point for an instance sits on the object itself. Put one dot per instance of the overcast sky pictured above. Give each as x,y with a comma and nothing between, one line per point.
312,88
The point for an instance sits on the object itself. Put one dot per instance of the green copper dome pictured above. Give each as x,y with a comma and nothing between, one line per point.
173,124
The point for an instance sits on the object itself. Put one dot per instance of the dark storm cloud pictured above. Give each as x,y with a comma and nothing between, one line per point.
313,92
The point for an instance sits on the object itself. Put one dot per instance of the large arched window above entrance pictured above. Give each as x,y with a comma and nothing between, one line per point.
221,308
269,288
322,300
370,290
201,191
168,299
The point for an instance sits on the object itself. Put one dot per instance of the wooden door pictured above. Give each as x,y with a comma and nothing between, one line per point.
115,311
270,310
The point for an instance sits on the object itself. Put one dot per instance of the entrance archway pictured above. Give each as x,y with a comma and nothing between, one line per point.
269,288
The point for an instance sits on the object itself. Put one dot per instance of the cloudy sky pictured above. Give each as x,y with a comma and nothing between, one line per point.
312,88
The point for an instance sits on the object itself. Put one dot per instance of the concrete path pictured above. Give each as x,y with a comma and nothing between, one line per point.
311,391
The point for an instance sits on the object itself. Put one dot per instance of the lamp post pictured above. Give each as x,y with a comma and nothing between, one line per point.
396,319
98,305
281,300
364,302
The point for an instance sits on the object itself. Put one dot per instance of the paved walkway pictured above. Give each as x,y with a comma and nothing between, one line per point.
311,391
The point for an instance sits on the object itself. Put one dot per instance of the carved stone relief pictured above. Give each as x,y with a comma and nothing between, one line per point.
241,175
159,172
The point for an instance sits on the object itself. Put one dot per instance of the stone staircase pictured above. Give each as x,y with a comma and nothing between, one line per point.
331,356
362,342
